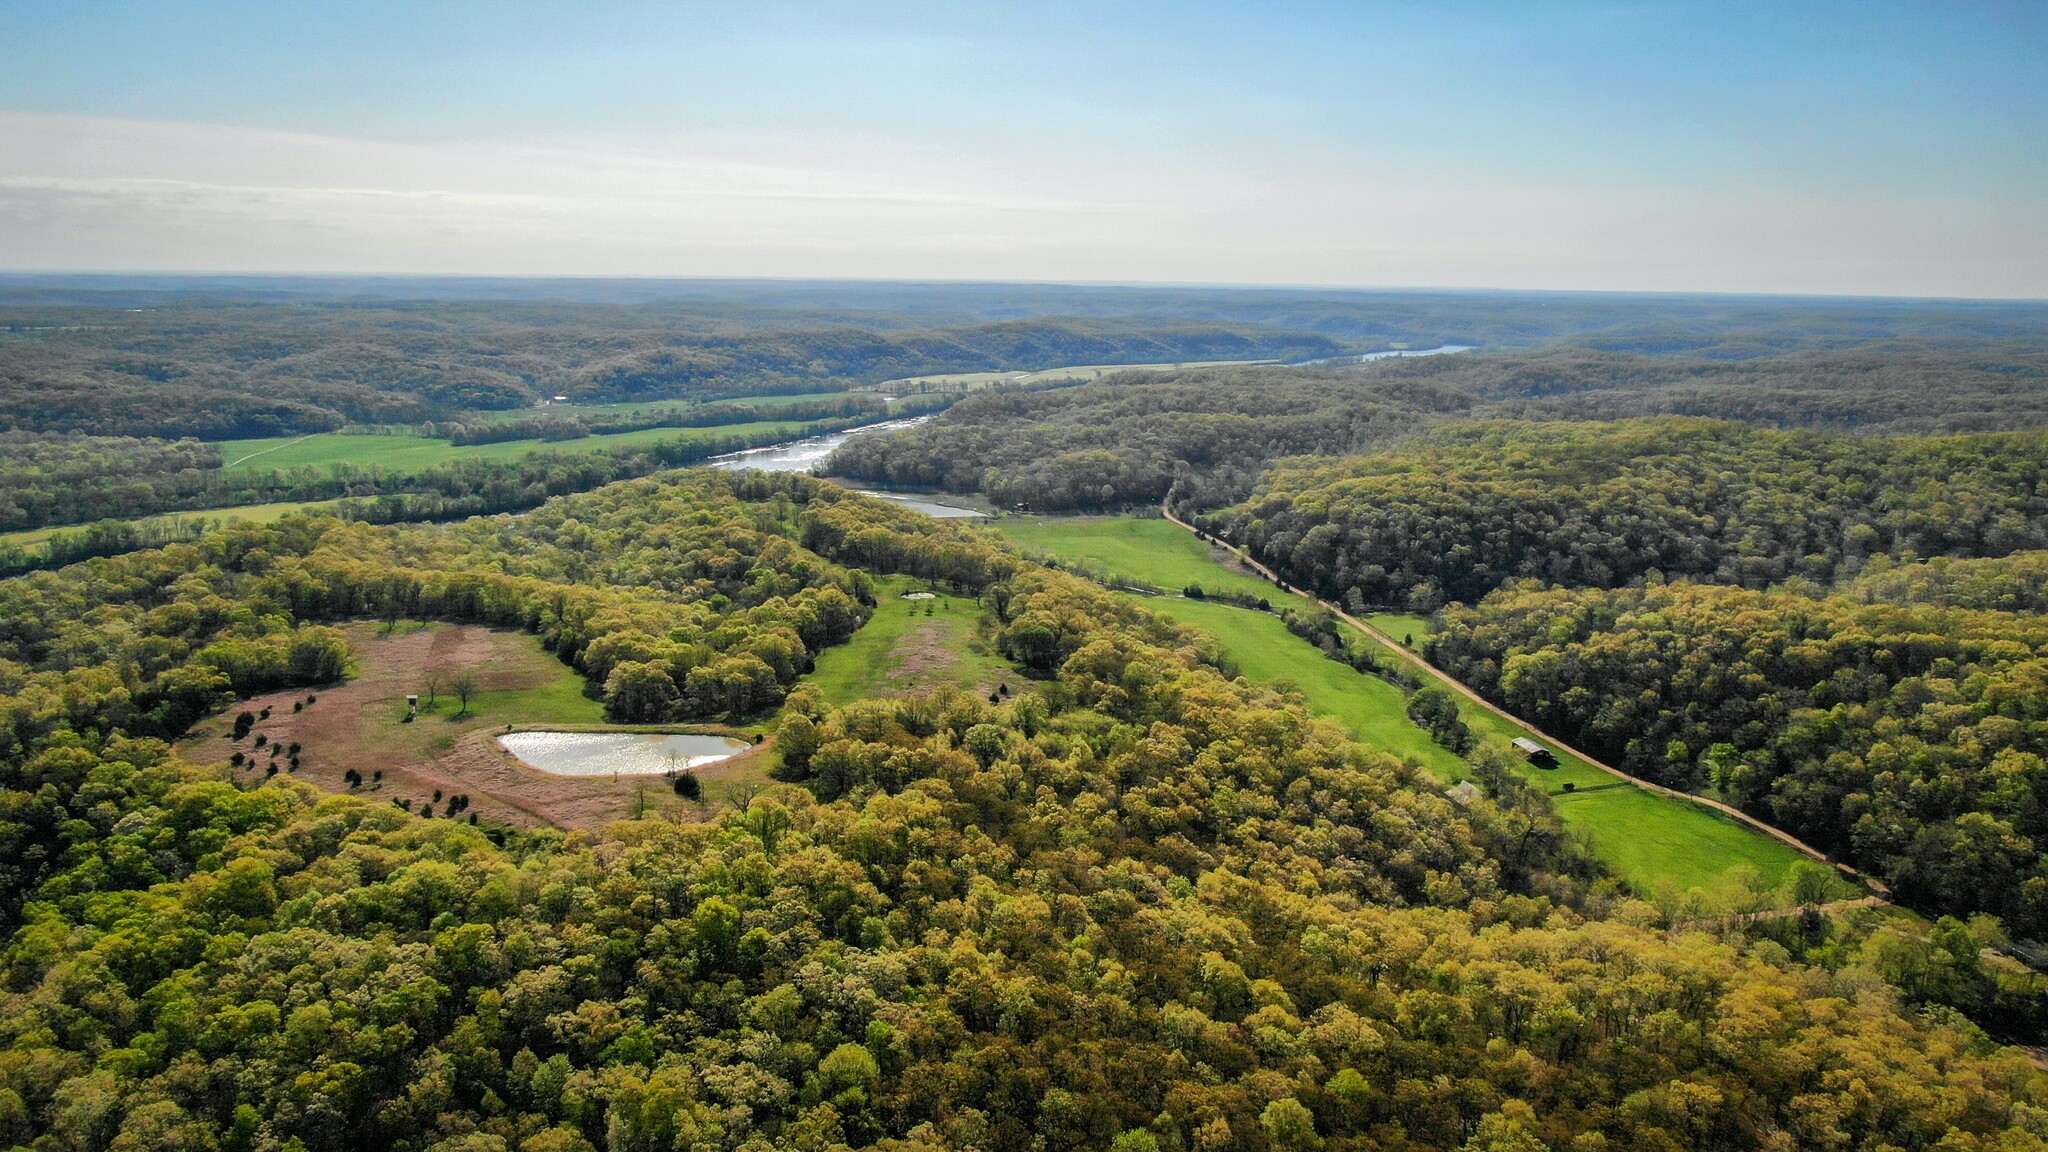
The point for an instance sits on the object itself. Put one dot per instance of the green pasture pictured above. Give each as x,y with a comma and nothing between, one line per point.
1133,549
1265,652
1400,625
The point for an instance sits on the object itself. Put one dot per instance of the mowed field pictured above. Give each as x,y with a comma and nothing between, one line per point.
1129,549
1265,652
1402,625
403,454
910,646
1656,843
361,725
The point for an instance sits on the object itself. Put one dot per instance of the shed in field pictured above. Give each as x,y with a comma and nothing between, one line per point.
1537,754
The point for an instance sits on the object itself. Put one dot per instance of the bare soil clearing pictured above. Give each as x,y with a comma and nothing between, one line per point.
360,726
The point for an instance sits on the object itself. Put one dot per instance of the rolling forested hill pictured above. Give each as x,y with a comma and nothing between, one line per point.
1137,905
225,357
244,371
1125,898
1126,440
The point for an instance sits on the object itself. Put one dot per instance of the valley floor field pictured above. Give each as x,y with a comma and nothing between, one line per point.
1129,550
1656,843
360,725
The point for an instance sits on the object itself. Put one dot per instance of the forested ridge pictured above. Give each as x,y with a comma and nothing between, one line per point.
1907,739
1460,511
1127,440
1887,387
1136,905
244,371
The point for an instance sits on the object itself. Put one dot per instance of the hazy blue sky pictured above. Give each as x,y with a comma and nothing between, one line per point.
1807,147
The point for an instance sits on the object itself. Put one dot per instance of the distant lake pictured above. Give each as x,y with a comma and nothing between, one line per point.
802,455
621,753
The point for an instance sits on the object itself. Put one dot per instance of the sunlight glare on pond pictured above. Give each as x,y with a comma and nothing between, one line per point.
618,753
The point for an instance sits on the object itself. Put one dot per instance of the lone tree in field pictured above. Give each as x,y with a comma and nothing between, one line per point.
435,678
463,684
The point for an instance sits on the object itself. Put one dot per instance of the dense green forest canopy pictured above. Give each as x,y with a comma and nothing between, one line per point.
1463,509
57,479
1887,387
1138,905
1909,739
2015,583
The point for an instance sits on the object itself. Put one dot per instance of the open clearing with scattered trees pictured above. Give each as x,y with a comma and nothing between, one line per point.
447,750
1656,843
911,646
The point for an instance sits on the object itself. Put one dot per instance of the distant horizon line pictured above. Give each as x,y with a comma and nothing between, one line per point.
912,281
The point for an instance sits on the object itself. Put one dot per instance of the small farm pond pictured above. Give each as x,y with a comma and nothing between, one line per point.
621,753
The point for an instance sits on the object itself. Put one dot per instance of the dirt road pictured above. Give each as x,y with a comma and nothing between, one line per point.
1458,686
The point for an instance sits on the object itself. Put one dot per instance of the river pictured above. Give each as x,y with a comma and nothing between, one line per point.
802,455
1389,354
806,454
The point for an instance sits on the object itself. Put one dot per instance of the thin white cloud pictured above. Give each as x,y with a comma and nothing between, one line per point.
79,192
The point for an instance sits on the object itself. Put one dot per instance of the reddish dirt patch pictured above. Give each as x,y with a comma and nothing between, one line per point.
355,726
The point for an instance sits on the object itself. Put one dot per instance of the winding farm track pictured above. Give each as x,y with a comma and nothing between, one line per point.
1458,686
272,448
